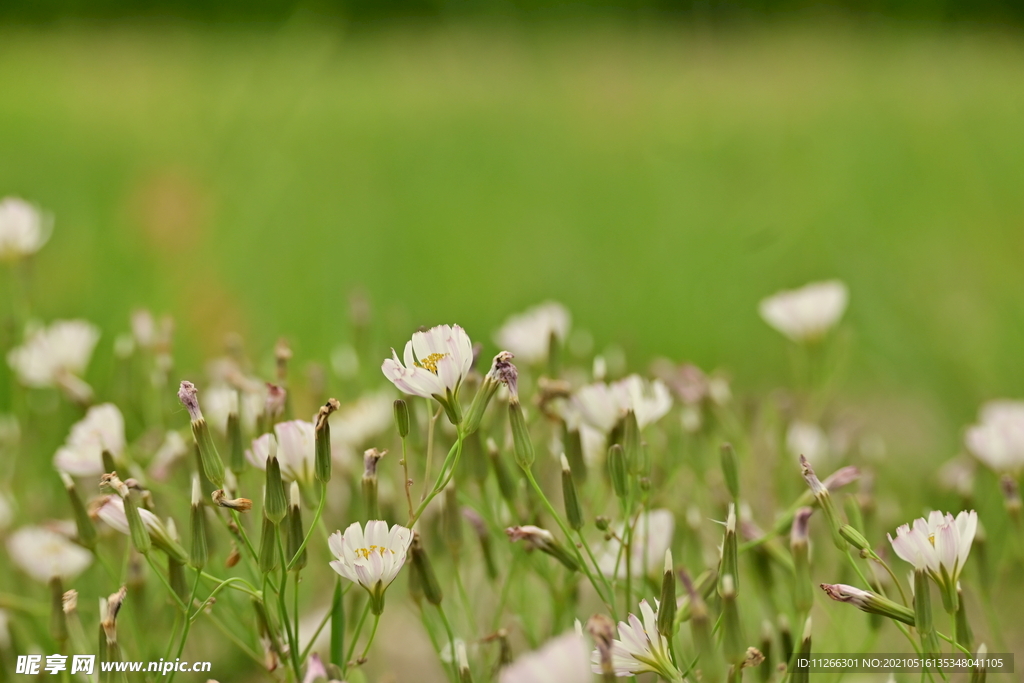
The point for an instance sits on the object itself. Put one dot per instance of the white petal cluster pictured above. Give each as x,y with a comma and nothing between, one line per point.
938,544
560,660
998,437
651,538
43,554
807,313
372,558
528,334
24,229
355,424
101,429
435,362
602,405
639,648
296,450
51,353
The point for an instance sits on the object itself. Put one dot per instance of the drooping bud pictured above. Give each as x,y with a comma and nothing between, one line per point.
213,467
83,522
802,596
870,602
824,498
730,470
425,571
618,470
220,499
371,457
668,605
199,552
570,497
322,465
536,538
296,534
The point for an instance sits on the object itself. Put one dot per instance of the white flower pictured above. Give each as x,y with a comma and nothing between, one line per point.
998,438
221,400
296,450
51,356
436,361
371,559
560,660
23,229
101,429
171,449
809,440
938,545
807,313
528,334
603,405
43,554
639,648
651,538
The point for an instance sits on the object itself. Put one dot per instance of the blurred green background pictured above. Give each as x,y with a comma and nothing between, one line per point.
659,179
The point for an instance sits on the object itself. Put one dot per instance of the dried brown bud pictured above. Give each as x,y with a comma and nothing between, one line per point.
240,504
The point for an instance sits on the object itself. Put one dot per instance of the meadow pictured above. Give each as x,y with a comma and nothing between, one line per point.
339,188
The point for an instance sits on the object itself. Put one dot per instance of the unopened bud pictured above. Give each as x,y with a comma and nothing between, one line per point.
137,530
521,441
730,470
213,467
574,454
275,503
536,538
618,471
802,595
506,485
199,552
425,571
631,443
869,602
733,643
855,538
236,449
729,565
268,546
370,459
462,662
824,498
83,522
402,417
295,532
570,497
323,463
668,606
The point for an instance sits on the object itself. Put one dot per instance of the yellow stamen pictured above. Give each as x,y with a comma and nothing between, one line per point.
379,549
430,362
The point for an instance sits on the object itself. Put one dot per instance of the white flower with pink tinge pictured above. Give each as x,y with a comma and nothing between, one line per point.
44,554
295,447
938,545
603,405
560,660
372,558
435,363
102,429
528,334
56,356
639,648
998,438
807,313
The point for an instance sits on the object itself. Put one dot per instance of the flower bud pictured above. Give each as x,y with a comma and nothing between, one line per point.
618,471
295,532
855,538
733,644
58,619
802,595
199,552
923,613
602,629
83,522
729,565
573,509
322,465
502,372
176,578
236,449
801,674
268,545
370,459
521,441
574,454
402,417
424,571
870,602
631,443
275,503
978,674
824,498
730,470
668,606
212,464
137,530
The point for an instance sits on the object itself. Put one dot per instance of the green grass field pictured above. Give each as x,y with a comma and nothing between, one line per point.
659,181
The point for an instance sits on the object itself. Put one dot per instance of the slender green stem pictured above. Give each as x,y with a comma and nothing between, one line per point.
451,642
313,525
896,581
316,634
163,580
355,637
443,477
369,641
188,622
282,606
430,450
572,544
590,554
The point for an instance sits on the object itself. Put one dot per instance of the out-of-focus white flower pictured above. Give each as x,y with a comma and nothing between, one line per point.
221,400
807,313
296,450
43,554
101,429
809,440
24,229
560,660
171,449
998,438
528,334
56,355
651,538
938,545
640,648
436,361
355,424
371,559
603,405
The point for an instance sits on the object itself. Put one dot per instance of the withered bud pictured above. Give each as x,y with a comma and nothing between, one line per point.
505,372
798,534
109,614
111,482
602,629
325,412
70,601
371,457
754,658
188,395
233,556
240,504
